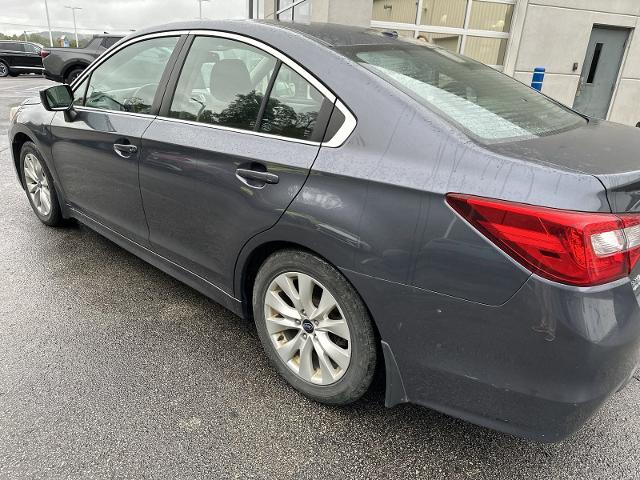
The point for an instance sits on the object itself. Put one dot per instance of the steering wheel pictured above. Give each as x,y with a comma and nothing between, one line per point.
98,97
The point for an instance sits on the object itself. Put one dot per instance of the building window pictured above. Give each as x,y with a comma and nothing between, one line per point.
445,40
491,16
301,13
476,28
397,11
443,13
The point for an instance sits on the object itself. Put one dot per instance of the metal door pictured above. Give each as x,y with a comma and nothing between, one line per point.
96,158
600,71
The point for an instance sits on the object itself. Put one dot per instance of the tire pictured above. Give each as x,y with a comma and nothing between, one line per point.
4,69
35,177
72,75
327,381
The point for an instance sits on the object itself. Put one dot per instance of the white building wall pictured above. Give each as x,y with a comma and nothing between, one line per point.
349,12
555,35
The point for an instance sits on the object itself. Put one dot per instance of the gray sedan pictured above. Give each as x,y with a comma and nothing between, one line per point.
371,202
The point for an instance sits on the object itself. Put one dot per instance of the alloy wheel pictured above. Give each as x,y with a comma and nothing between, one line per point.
307,328
4,70
37,184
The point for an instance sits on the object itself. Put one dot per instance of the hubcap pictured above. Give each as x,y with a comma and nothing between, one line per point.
3,70
307,328
37,184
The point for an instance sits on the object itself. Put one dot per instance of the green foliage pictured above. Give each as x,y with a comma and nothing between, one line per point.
43,39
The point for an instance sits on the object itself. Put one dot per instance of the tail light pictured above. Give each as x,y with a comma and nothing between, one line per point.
575,248
44,53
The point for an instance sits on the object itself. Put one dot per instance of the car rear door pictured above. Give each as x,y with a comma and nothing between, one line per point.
221,163
96,149
32,58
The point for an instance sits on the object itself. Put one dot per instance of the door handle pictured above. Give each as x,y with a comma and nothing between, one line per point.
124,150
257,176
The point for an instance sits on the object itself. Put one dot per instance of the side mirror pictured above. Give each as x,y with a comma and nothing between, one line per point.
57,99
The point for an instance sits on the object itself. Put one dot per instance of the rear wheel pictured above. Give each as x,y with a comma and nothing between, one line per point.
314,327
72,75
39,186
4,69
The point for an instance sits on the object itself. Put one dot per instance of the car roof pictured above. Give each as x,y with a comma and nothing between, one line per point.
328,34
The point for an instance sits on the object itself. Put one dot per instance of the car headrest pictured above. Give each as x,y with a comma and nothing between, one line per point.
229,77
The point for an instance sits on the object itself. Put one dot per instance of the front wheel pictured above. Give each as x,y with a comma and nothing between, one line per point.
38,184
314,327
4,69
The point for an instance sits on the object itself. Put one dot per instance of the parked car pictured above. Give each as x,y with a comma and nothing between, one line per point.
19,57
367,200
65,64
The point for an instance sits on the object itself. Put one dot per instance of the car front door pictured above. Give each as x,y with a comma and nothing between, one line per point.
13,54
221,163
96,149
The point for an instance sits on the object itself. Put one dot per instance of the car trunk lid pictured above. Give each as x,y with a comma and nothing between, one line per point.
606,150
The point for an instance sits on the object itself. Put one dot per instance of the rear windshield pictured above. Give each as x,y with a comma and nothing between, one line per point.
482,101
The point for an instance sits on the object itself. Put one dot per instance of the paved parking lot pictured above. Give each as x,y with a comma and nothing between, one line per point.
111,369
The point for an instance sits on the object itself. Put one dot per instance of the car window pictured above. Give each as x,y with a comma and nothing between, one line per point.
79,92
128,80
293,106
223,83
94,44
11,46
108,42
488,105
31,48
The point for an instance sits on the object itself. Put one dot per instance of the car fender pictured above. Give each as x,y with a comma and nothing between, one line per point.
33,121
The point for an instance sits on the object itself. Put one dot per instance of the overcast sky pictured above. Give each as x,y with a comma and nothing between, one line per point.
110,15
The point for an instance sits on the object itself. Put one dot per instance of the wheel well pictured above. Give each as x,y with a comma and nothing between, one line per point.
18,141
251,267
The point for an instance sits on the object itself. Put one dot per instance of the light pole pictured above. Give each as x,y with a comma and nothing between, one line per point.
46,8
200,4
75,30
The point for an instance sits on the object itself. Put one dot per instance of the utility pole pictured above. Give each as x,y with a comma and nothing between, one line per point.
200,3
46,8
75,30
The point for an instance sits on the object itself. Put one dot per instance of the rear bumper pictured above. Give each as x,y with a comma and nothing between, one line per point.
537,366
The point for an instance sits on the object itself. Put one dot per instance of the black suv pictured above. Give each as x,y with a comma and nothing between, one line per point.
19,57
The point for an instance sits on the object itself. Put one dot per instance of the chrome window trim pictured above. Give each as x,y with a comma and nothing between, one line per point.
115,49
274,53
197,124
348,126
337,140
82,108
239,130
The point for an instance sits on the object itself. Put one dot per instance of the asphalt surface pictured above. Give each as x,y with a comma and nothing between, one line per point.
111,369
